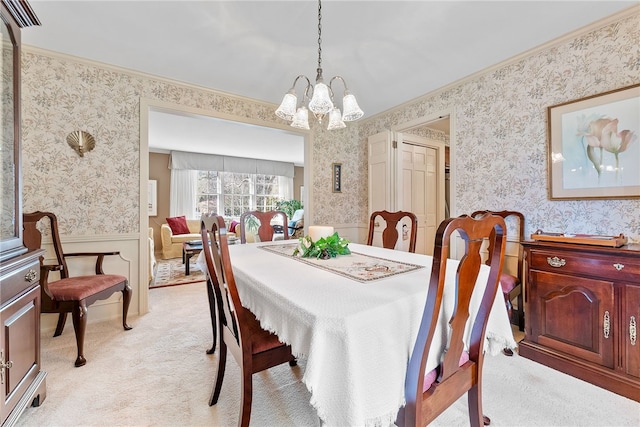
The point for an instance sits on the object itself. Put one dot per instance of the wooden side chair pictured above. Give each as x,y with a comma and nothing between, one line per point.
511,284
73,294
254,348
428,394
265,230
390,234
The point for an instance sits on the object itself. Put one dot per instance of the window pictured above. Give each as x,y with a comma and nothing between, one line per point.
234,193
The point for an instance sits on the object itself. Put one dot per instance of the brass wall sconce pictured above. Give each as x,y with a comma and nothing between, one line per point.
81,141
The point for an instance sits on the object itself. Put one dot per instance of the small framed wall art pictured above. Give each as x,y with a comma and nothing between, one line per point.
336,169
594,151
152,197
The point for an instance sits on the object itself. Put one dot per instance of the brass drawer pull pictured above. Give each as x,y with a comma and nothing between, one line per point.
31,275
633,332
618,266
4,365
556,262
606,324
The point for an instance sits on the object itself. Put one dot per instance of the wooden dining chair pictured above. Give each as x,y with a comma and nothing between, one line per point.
390,234
512,284
428,394
72,294
265,231
254,348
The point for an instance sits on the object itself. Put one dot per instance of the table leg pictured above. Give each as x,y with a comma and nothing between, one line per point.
187,257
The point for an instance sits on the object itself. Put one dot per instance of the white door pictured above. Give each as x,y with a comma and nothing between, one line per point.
409,178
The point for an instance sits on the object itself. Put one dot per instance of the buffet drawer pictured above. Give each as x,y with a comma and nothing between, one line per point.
18,278
597,266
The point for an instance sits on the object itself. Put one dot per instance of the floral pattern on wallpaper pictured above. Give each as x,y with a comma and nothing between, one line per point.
499,145
97,193
501,125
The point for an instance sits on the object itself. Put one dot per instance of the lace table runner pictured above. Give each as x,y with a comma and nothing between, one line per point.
356,266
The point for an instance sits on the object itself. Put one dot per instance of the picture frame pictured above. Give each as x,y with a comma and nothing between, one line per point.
152,197
336,169
594,147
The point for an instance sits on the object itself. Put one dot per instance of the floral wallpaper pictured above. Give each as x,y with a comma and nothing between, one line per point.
500,133
499,145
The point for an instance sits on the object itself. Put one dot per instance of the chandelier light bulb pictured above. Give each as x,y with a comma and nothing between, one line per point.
301,118
321,101
335,120
351,109
287,108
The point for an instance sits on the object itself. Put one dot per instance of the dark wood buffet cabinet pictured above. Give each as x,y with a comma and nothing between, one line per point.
21,379
582,306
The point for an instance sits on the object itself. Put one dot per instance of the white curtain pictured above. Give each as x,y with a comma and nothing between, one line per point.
285,187
183,193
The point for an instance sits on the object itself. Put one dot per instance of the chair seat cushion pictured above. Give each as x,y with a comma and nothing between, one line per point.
262,339
81,287
431,376
508,282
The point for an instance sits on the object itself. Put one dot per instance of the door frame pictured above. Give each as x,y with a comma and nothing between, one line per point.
147,105
424,121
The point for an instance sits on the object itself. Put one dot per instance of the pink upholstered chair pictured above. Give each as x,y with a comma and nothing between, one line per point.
428,394
265,230
390,234
73,294
254,348
512,284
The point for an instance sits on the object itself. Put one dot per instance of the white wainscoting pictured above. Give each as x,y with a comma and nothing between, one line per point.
126,264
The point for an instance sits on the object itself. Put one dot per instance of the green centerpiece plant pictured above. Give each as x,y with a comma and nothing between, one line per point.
323,248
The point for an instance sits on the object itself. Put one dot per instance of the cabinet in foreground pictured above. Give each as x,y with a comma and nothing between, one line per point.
583,305
21,379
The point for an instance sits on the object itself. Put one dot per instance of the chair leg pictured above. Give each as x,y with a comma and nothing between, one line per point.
126,300
79,316
474,398
509,307
62,319
212,311
247,395
215,393
521,311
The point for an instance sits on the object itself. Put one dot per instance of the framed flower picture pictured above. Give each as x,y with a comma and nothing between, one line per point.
594,148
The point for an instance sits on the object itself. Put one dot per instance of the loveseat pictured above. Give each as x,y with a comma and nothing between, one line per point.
172,243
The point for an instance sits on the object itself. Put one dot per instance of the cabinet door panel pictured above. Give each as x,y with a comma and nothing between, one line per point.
573,313
631,321
20,345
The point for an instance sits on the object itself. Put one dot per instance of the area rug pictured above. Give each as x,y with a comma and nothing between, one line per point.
171,272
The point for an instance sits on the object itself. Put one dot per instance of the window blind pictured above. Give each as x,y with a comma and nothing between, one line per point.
216,162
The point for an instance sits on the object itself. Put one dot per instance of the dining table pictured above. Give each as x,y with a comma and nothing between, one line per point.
354,319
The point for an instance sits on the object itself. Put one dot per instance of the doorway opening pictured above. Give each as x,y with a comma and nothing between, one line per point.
147,109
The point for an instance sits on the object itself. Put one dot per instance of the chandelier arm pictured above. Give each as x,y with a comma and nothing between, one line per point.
346,89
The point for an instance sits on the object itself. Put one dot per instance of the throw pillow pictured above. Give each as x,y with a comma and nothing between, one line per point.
178,225
233,226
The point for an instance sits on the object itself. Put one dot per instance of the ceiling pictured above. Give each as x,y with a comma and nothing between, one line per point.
389,52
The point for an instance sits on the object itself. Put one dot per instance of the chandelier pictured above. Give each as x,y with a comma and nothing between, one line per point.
319,98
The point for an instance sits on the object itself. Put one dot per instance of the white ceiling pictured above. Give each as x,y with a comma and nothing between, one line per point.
389,52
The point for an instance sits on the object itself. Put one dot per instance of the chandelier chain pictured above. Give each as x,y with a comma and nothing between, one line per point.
319,34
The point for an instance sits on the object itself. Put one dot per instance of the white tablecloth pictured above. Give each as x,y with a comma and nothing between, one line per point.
357,337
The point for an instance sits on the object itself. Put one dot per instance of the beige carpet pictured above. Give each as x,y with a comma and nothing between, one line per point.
158,374
171,272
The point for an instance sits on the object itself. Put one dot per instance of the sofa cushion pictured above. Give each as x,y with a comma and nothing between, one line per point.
178,225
